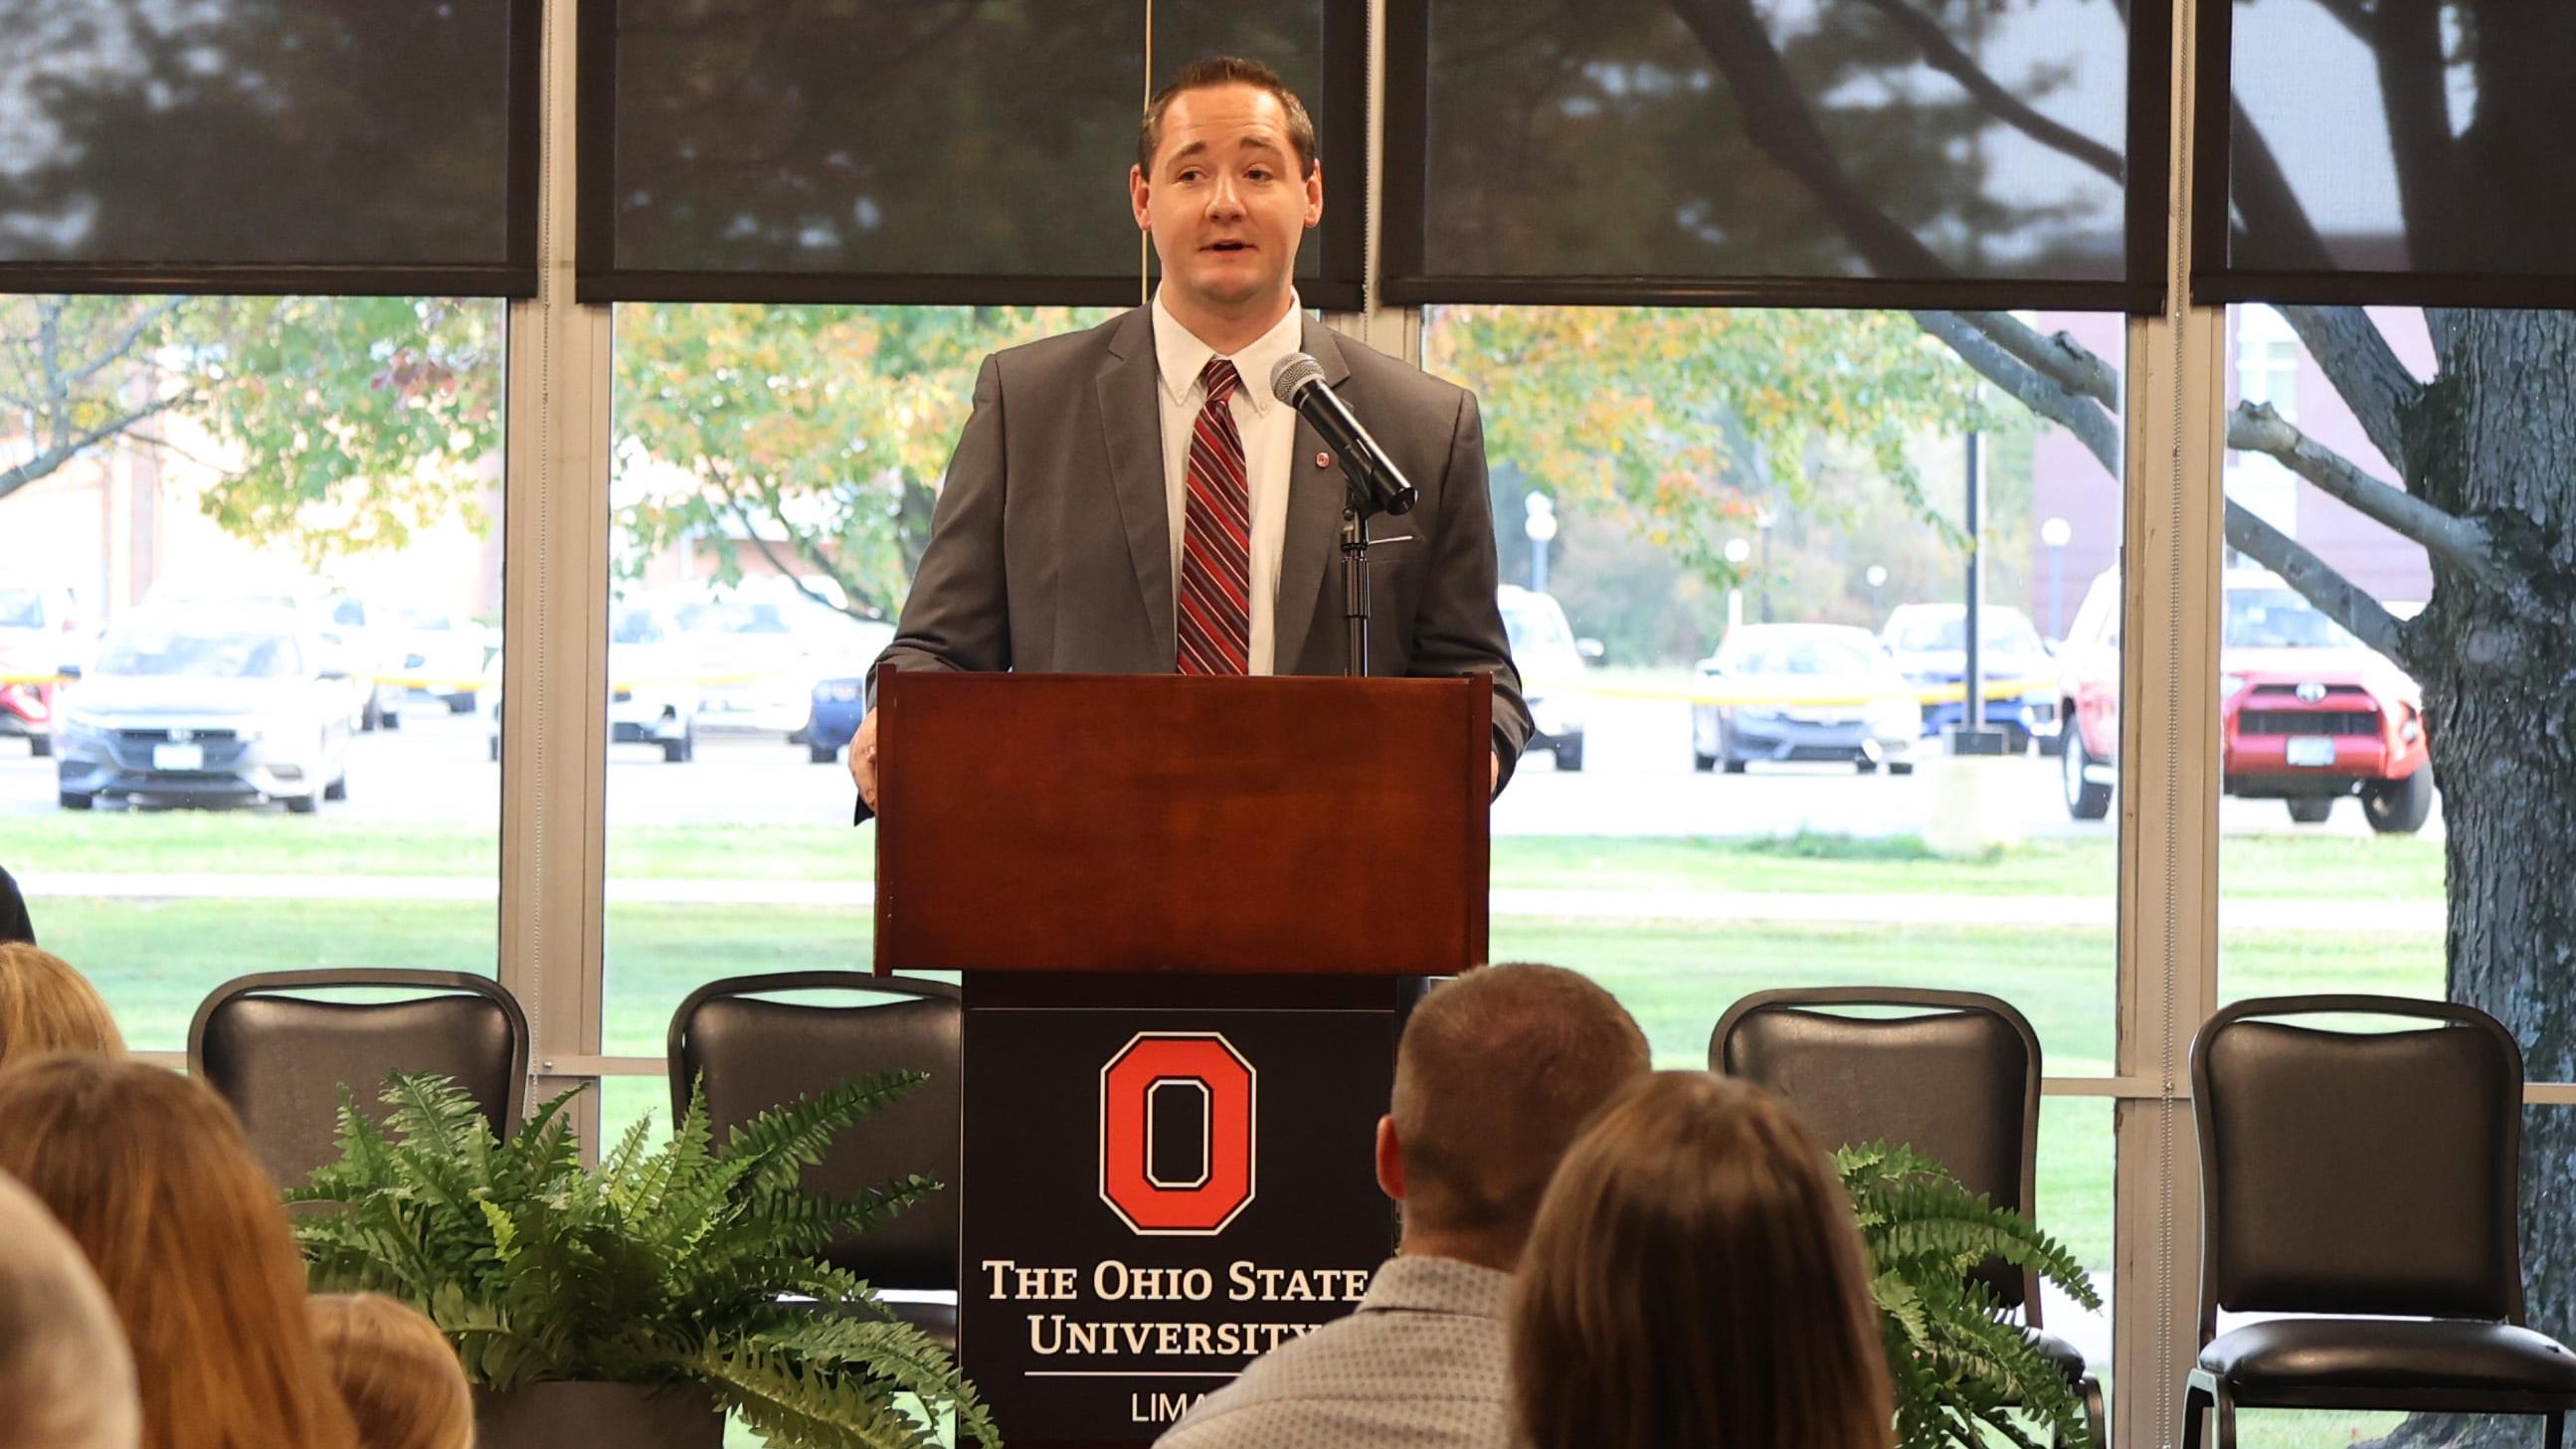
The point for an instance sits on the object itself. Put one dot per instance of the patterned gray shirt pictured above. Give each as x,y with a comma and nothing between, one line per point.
1419,1365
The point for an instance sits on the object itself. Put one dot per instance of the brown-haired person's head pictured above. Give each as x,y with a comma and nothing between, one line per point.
151,1175
1225,182
66,1380
46,1006
396,1372
1695,1278
1497,1072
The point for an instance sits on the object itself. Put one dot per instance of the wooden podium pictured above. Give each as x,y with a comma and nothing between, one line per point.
1184,909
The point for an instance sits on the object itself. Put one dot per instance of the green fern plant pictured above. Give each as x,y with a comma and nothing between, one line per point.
667,1266
1961,1365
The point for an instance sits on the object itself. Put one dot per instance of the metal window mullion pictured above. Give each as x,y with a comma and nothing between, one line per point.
555,653
2169,768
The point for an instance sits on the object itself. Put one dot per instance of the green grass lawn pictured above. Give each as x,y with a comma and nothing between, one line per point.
2284,866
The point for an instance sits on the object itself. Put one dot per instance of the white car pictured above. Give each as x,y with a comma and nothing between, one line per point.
438,655
1551,662
206,706
1805,692
759,656
344,628
652,689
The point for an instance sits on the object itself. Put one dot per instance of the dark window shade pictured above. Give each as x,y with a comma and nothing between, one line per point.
269,146
1321,50
2406,152
1799,152
916,151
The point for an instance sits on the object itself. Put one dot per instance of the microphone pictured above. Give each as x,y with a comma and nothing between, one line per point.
1298,381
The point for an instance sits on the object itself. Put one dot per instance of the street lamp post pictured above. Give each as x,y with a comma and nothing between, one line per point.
1876,576
1763,518
2056,534
1737,551
1541,528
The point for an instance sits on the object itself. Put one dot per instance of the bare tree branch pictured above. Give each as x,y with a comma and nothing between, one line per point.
2334,595
2357,359
2462,542
775,506
2350,15
2407,39
2033,388
68,445
1945,56
1778,121
2068,362
127,337
2259,190
2059,401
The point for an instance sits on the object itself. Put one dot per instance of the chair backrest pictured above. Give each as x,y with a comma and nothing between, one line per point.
752,1055
1956,1078
280,1056
2358,1172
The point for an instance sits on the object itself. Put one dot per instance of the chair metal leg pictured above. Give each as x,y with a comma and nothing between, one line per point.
2191,1406
2555,1428
2226,1406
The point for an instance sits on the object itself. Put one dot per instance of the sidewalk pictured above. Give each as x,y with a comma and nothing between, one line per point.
2064,912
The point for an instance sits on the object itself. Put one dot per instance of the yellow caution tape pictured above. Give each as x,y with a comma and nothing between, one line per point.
1717,693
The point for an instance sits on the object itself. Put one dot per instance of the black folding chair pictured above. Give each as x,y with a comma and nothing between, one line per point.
1956,1079
752,1054
280,1055
2372,1177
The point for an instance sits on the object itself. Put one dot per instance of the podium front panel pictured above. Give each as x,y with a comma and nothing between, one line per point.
1155,823
1151,1197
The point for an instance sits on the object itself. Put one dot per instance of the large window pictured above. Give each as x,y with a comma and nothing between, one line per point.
775,473
1735,554
2396,812
249,582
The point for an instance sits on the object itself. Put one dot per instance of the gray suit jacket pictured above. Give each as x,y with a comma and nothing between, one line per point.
1051,547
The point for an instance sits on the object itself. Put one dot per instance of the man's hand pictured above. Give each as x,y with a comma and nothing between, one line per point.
863,758
1493,778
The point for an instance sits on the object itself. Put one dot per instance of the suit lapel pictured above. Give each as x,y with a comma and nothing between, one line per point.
1314,531
1131,422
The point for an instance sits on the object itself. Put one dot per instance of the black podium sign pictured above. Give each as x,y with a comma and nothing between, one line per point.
1153,1197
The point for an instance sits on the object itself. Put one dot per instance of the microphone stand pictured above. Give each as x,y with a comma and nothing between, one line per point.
1355,582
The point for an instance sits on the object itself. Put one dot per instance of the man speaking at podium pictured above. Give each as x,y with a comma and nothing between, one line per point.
1133,500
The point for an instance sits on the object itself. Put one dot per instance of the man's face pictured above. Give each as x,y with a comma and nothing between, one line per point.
1224,202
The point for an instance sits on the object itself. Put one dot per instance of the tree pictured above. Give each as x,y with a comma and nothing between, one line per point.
2482,462
331,425
814,437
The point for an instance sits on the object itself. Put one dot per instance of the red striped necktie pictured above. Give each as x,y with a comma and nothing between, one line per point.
1216,538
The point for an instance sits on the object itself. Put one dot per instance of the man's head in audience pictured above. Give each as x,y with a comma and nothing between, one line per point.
66,1380
46,1006
1497,1073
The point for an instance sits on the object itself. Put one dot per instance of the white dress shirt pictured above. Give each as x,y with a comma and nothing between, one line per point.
1269,429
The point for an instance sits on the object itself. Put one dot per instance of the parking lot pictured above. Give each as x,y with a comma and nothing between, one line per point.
1637,781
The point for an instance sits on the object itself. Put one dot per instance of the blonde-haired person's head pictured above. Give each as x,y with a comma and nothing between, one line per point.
396,1371
150,1173
46,1006
1695,1277
65,1376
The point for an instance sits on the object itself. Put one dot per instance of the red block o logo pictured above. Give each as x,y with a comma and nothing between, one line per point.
1144,1074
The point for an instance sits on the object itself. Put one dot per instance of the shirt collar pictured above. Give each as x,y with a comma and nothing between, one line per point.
1423,1284
1180,356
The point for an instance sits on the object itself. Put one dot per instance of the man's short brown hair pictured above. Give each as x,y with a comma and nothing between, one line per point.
1497,1073
1227,70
